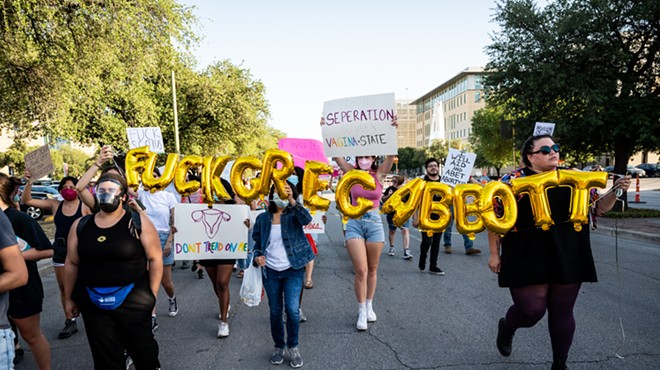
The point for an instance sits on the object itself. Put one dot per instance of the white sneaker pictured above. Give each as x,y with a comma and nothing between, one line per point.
391,252
362,321
371,315
223,329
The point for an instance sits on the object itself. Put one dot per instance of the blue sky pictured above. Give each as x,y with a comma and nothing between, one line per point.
307,52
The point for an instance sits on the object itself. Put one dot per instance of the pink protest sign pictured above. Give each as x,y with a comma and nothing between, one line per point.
303,150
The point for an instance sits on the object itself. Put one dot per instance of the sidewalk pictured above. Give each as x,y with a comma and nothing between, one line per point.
647,229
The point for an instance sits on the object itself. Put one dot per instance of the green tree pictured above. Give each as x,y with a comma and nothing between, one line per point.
14,157
411,159
75,159
491,149
590,66
84,70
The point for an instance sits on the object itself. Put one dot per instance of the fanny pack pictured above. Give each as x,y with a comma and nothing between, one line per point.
109,298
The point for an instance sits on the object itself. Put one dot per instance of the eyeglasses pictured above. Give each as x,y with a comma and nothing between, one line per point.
545,150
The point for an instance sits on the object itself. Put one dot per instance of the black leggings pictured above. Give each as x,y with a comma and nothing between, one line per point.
434,243
531,302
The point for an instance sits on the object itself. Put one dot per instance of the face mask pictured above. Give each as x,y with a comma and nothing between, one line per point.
108,202
279,202
16,198
293,179
365,163
69,194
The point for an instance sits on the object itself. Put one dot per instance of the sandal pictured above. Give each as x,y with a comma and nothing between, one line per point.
240,274
309,284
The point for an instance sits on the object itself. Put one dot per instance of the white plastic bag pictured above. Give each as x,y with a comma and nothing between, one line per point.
252,286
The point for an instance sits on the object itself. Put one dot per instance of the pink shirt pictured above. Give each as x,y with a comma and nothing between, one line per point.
372,195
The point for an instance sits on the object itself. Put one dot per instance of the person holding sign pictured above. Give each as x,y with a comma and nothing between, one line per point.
25,303
66,212
107,280
365,236
543,269
283,250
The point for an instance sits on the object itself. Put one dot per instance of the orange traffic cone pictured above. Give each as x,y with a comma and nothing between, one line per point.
637,199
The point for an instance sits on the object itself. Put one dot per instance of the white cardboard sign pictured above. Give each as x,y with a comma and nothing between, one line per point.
359,125
39,162
146,136
316,226
458,167
544,128
210,233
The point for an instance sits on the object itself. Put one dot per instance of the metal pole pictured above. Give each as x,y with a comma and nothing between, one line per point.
176,116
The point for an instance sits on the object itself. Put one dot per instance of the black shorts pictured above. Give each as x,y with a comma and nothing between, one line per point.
23,310
213,263
59,251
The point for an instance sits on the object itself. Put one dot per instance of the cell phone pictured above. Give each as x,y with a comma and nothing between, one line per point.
140,204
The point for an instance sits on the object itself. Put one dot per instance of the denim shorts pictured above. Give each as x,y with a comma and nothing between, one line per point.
369,227
6,349
167,260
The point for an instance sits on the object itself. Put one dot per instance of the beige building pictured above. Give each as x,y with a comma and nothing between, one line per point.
407,120
446,112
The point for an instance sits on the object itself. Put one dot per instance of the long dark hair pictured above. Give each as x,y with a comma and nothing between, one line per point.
528,147
8,186
272,208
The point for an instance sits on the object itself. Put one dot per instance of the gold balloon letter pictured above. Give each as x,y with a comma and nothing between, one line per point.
181,183
431,207
403,210
136,162
463,209
581,182
312,185
211,183
152,183
236,178
535,186
350,179
278,176
503,224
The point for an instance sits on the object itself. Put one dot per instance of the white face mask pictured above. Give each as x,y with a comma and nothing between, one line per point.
279,202
365,163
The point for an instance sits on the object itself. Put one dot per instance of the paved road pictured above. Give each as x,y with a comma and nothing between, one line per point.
424,321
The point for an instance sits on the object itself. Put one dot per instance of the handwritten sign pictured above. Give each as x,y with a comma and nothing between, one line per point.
359,126
210,233
316,226
39,162
303,150
544,128
146,136
458,167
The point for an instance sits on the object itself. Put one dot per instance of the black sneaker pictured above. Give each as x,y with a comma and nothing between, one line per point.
436,271
184,265
70,328
407,255
200,274
154,324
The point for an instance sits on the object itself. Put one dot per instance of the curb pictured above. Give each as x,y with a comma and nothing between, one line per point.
628,234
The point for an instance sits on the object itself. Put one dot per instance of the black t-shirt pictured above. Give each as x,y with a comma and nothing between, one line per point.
29,230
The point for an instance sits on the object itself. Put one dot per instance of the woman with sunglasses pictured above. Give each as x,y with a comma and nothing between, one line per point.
544,270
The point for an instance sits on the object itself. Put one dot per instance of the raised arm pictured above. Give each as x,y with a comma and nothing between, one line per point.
105,154
27,199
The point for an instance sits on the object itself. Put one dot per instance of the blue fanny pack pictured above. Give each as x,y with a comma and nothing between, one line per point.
109,298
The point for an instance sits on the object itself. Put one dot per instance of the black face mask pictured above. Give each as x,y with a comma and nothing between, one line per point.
108,202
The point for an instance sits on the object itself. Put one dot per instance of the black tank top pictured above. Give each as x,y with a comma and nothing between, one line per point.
63,222
110,257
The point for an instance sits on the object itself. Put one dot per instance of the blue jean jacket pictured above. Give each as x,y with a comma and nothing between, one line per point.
292,219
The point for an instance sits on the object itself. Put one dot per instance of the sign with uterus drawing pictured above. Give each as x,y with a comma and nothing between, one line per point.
210,233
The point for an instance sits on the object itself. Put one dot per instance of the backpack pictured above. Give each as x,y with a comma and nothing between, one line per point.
135,226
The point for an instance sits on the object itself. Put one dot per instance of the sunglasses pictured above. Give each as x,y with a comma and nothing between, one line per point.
545,150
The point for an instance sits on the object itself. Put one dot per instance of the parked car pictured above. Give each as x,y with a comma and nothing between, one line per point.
39,192
633,171
651,169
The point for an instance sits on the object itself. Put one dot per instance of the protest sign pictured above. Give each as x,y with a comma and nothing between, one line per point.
544,128
146,136
210,233
303,150
39,162
359,126
458,167
316,226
